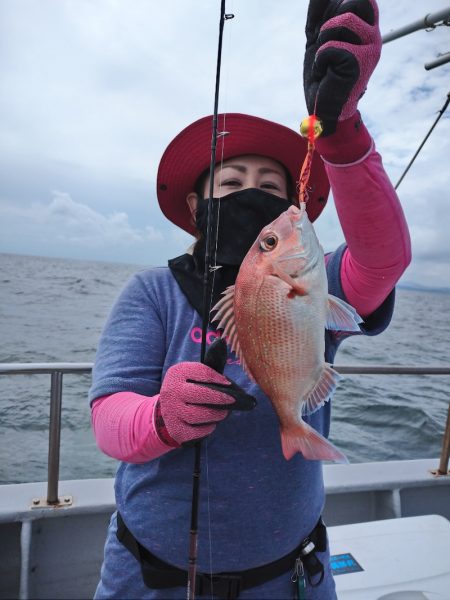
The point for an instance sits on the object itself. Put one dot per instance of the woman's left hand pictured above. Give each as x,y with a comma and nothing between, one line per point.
343,46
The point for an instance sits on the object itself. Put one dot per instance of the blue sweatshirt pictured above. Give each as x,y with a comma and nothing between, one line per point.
255,506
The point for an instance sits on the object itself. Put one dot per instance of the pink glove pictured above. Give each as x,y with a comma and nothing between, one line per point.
342,49
193,399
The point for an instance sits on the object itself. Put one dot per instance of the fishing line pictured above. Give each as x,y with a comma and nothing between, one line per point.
214,269
310,128
206,272
209,515
223,133
193,535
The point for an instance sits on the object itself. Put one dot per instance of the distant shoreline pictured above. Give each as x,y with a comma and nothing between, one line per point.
416,287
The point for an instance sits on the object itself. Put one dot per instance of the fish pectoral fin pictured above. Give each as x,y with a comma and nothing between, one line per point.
225,315
341,316
224,310
310,443
296,288
322,391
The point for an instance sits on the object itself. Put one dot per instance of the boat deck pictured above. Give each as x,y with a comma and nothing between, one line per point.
57,552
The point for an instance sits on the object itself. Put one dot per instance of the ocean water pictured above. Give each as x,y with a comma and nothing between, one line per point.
54,310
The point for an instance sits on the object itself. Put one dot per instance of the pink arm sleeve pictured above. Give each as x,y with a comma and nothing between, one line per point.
378,244
124,427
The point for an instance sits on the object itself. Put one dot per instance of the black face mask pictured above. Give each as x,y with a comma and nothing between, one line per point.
241,216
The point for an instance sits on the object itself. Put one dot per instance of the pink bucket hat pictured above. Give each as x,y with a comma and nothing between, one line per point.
188,155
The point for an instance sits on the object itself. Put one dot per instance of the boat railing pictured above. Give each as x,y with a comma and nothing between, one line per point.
58,370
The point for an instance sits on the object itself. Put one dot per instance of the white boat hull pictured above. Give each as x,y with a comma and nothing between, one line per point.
57,552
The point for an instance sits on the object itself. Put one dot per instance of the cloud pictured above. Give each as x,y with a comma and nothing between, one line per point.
78,224
92,93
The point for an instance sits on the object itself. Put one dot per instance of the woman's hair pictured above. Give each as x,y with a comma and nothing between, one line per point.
200,184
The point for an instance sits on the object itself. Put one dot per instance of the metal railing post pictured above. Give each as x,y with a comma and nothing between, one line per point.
54,437
445,453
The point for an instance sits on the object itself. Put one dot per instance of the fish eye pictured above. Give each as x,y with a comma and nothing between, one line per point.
269,243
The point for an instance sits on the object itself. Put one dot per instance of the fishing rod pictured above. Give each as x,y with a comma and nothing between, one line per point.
441,112
193,534
429,22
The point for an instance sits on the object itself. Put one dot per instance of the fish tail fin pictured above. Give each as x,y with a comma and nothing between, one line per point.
310,443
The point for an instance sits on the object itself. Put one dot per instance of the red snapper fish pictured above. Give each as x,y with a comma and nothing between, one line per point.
274,319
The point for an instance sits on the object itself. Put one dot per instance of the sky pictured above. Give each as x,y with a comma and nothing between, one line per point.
92,92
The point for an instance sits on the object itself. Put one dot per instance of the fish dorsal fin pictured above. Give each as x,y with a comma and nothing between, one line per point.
341,316
323,390
226,320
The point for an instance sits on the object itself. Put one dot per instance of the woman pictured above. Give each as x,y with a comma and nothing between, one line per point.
151,397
